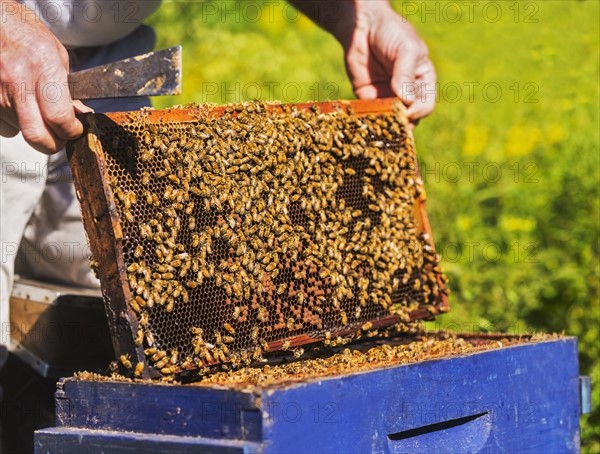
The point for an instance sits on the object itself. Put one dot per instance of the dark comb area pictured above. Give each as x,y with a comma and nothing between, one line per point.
246,229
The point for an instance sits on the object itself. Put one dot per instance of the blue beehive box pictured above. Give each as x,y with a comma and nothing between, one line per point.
524,398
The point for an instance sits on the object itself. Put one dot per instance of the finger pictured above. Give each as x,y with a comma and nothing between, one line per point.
34,129
81,107
376,89
426,92
404,74
366,92
7,130
56,108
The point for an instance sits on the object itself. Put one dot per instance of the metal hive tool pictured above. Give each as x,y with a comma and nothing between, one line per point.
222,233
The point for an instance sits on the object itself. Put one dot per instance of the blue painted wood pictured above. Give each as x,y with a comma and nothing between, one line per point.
529,391
521,398
56,440
158,408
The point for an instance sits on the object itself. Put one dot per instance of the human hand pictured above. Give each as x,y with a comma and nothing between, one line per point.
34,98
385,57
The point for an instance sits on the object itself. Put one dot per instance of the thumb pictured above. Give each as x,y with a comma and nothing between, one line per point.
81,107
403,76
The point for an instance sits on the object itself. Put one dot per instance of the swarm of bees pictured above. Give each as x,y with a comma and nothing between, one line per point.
247,230
415,346
352,360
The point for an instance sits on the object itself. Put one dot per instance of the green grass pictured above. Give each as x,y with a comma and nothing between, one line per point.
512,175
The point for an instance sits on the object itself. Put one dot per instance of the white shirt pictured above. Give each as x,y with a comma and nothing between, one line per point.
85,23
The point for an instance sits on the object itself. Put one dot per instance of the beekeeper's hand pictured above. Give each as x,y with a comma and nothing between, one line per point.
384,54
34,97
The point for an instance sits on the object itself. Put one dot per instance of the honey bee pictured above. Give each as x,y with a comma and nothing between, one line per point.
208,357
237,289
344,318
145,231
139,369
198,344
139,338
263,314
133,267
271,267
264,344
161,363
158,355
357,312
124,359
174,178
128,216
131,198
266,259
228,327
134,305
184,269
285,345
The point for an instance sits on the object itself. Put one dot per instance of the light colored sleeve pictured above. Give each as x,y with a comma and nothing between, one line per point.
87,23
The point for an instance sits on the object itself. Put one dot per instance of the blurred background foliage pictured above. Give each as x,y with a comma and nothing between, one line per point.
510,157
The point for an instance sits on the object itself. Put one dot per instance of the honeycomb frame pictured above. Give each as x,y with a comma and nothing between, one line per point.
109,165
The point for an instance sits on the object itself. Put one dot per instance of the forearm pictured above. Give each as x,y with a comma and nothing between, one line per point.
341,17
